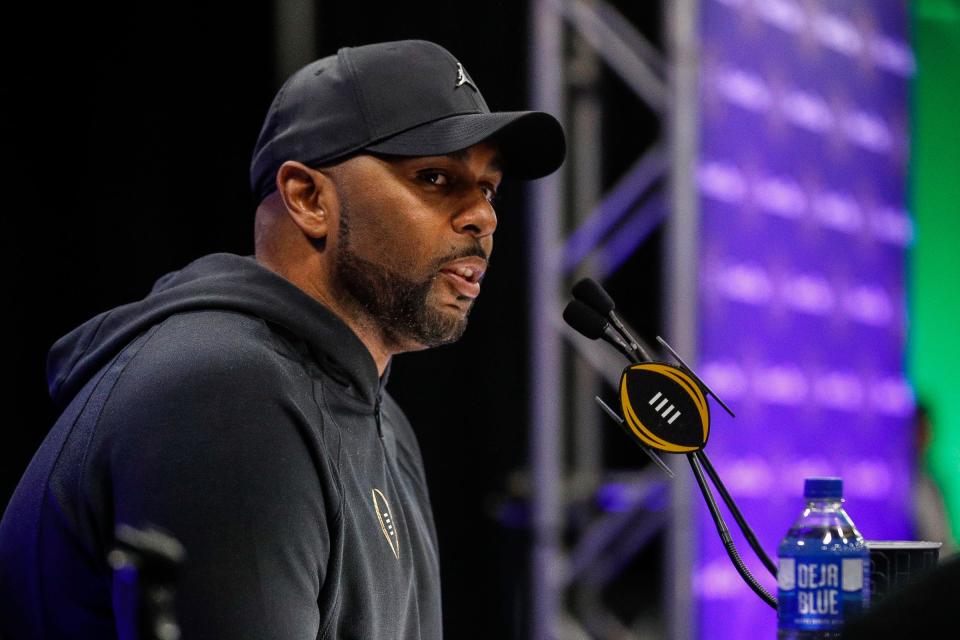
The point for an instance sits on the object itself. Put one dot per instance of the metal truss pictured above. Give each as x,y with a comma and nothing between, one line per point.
576,230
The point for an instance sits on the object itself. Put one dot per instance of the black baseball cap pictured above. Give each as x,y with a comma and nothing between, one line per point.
407,98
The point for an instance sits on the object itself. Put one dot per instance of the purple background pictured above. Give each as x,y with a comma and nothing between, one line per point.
802,175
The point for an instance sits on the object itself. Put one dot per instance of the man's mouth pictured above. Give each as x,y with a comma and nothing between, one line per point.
465,275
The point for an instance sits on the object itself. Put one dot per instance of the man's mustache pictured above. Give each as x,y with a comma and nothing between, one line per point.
470,251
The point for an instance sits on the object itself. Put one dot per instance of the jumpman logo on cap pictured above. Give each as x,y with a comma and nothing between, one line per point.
464,79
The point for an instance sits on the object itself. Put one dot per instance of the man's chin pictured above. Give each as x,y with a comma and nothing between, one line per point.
447,329
444,324
434,326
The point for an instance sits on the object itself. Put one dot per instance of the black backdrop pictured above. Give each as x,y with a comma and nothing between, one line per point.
126,140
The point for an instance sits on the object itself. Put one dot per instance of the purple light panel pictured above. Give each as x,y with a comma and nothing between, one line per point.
802,174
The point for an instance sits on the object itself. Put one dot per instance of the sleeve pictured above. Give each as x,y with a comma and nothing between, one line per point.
209,440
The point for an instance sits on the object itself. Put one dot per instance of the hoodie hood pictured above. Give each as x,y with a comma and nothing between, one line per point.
220,281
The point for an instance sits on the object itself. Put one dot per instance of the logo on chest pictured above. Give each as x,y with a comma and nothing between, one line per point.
385,516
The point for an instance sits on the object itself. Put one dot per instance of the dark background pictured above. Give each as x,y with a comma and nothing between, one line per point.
126,142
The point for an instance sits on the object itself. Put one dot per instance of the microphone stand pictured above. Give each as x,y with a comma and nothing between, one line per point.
698,462
745,528
737,515
695,459
597,299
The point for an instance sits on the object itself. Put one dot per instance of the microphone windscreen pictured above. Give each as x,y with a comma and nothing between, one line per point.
584,320
593,295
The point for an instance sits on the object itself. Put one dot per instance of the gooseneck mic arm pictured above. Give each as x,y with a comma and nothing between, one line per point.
725,534
737,515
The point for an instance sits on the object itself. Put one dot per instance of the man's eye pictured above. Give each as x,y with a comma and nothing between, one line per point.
437,178
489,193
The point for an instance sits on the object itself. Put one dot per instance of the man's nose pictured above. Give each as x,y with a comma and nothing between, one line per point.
477,217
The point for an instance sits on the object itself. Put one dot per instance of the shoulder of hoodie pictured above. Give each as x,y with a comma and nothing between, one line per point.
215,387
201,375
236,349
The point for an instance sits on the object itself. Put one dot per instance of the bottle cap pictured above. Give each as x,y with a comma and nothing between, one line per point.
823,488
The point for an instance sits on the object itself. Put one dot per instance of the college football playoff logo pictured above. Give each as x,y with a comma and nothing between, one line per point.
664,407
385,516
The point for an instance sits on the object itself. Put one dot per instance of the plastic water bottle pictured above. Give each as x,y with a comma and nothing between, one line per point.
824,573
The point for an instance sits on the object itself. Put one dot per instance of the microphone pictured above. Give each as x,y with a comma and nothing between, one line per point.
590,324
591,293
596,297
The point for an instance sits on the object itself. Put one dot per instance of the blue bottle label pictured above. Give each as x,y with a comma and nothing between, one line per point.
817,592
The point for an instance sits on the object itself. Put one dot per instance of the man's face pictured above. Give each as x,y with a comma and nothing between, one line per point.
414,239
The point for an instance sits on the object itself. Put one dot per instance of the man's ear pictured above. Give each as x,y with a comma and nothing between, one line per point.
308,195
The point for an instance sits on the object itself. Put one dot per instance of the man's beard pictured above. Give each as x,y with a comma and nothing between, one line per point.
398,305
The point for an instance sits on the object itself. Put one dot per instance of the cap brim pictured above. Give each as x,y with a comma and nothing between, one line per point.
531,143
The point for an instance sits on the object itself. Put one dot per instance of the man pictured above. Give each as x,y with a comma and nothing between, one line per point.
241,405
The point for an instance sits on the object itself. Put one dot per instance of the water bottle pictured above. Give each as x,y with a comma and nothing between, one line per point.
824,572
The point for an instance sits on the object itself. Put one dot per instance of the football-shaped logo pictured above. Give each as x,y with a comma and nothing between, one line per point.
664,407
385,516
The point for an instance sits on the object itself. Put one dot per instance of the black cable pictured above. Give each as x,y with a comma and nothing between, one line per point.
741,521
725,534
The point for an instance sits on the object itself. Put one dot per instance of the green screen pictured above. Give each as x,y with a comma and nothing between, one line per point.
934,344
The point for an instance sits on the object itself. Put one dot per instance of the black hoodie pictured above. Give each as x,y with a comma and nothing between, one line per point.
238,414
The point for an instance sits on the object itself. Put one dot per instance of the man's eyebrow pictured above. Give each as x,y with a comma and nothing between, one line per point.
496,163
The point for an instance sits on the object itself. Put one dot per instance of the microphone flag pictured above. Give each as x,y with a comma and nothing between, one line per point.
664,407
